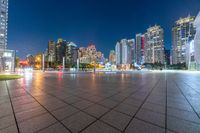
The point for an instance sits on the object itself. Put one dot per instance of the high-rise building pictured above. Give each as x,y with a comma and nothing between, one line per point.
123,52
7,57
139,49
51,51
154,45
131,43
71,53
197,42
182,33
90,55
60,50
3,23
112,57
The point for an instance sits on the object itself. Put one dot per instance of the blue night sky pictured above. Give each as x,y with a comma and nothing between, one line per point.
102,22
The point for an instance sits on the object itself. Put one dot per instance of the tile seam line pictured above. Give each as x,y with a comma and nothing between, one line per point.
166,107
12,108
142,86
142,104
47,110
187,99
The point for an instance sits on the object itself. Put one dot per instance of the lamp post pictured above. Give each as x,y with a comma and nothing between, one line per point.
63,64
43,61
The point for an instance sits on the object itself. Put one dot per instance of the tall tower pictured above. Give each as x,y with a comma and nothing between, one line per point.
123,52
182,33
154,45
3,23
197,42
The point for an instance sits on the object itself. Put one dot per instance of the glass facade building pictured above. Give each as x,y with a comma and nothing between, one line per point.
3,23
197,42
154,45
7,57
123,51
182,34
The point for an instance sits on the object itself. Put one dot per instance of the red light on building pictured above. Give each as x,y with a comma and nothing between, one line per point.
23,63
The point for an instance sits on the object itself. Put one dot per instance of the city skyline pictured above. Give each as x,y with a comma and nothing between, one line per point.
90,22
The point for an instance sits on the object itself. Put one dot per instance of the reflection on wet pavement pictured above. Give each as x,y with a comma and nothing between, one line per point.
138,102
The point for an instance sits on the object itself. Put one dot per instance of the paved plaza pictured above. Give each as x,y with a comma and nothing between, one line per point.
136,102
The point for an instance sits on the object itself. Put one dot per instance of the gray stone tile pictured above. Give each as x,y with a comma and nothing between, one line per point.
157,100
127,109
64,112
100,127
118,98
72,100
24,107
182,126
11,129
180,106
28,114
55,105
7,121
186,115
133,102
96,110
56,128
83,104
4,99
78,122
138,126
37,123
116,119
152,117
22,100
5,110
95,99
108,103
154,107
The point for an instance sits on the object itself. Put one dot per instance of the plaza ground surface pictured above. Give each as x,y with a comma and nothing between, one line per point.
136,102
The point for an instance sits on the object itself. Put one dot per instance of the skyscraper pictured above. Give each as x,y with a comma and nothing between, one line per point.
71,53
154,45
60,50
51,51
7,57
131,43
3,23
90,55
123,53
197,42
182,33
139,49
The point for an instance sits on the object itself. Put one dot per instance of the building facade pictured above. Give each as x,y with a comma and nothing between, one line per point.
7,57
71,55
3,23
154,45
60,50
139,49
89,55
123,53
197,42
183,32
51,51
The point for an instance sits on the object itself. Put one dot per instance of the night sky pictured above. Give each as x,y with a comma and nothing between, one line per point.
102,22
